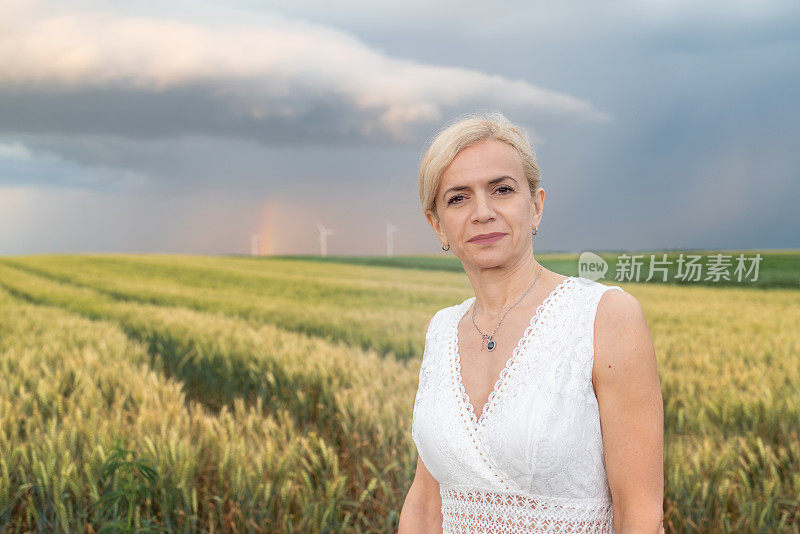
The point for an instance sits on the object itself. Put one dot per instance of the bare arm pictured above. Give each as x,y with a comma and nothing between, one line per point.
631,408
422,509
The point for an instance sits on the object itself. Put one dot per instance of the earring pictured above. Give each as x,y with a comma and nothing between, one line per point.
534,230
448,247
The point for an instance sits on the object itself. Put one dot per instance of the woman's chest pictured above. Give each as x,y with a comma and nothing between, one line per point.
540,431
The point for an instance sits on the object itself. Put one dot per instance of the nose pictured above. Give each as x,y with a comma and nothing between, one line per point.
483,207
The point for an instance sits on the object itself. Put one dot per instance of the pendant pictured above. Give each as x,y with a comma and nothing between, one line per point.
490,344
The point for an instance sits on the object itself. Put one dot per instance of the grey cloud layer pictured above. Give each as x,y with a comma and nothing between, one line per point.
279,82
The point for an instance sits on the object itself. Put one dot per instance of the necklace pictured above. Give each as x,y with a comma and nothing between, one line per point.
488,337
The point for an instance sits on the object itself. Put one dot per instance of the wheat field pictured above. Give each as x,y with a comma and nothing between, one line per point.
153,393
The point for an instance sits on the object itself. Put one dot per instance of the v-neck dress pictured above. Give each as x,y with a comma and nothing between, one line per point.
534,461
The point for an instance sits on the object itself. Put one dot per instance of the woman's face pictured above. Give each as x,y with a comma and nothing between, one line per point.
483,191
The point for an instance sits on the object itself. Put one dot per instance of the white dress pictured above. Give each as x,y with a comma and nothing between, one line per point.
534,461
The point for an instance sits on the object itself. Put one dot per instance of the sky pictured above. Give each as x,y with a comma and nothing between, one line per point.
188,127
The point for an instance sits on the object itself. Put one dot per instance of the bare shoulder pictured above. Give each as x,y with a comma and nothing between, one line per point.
622,342
618,309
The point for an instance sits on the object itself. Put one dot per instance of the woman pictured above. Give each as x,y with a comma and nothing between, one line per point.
539,405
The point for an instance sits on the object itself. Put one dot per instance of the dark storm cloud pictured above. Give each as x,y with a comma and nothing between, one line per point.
276,82
319,119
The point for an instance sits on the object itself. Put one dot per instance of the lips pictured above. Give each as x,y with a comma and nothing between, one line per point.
486,237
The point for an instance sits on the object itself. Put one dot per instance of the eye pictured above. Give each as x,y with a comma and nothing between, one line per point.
455,199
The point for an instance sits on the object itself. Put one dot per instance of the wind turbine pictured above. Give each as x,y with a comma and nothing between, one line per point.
390,230
323,238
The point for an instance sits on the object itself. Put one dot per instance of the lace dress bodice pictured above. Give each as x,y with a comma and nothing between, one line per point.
533,462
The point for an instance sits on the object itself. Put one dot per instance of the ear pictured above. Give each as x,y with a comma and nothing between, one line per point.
436,224
538,206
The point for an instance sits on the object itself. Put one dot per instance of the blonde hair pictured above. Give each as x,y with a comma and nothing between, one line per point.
462,132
